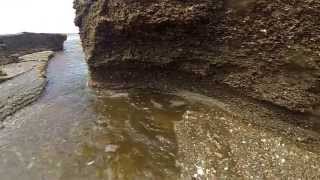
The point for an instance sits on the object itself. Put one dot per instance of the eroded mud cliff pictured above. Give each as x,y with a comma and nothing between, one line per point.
268,50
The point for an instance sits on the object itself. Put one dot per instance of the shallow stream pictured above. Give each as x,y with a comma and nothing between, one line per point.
76,133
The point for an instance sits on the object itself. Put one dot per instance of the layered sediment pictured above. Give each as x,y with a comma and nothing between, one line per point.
24,82
267,50
15,45
23,61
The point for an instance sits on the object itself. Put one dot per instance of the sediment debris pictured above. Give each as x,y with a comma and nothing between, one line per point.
219,142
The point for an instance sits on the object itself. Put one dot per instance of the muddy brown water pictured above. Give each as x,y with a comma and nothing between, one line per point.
76,133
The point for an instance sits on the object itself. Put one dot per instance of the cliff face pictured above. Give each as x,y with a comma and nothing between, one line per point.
269,50
147,31
13,46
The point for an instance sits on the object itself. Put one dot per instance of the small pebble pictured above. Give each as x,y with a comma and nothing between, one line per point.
263,30
90,163
200,171
111,148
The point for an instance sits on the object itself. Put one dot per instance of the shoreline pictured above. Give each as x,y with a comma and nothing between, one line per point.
168,80
23,59
232,127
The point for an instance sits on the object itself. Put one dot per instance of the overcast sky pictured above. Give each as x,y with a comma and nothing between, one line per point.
51,16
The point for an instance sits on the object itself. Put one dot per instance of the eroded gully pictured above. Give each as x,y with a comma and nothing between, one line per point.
74,132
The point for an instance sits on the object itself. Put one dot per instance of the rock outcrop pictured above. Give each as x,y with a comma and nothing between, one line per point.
15,45
23,62
24,82
267,50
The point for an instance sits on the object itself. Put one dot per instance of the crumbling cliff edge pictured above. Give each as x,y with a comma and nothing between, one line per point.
258,59
266,50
